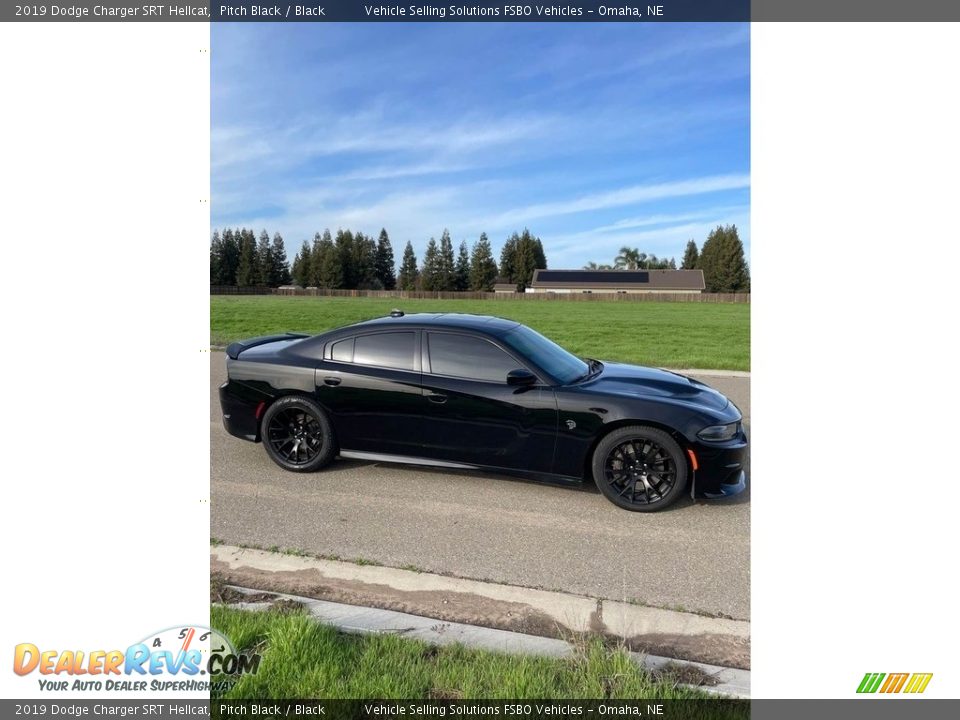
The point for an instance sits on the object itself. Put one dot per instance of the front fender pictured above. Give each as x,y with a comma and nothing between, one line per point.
584,418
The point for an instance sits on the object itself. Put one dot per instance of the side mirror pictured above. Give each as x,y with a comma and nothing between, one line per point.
521,376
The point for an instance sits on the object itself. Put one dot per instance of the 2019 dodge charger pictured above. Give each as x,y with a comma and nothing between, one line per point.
478,392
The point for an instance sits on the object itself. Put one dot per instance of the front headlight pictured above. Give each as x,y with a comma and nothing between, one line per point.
719,433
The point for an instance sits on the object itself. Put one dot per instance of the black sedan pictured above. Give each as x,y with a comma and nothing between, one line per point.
477,392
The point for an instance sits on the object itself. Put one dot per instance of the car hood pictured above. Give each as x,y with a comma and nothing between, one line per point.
639,381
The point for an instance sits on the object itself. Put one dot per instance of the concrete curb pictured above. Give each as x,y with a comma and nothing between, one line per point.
712,373
718,641
363,620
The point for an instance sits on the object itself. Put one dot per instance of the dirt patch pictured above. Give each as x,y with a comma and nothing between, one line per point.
285,606
223,595
725,650
685,675
450,606
472,609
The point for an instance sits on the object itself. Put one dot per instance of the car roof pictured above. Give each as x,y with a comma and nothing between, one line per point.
462,321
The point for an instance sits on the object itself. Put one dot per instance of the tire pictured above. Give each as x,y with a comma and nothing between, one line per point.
297,434
640,468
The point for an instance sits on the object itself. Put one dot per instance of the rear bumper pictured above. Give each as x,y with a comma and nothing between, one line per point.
238,407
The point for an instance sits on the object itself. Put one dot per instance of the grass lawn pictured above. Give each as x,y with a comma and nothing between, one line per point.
678,335
302,658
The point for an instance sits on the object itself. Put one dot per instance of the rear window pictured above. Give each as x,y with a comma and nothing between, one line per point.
343,351
390,350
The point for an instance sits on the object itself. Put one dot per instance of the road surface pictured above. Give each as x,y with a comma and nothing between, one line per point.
693,556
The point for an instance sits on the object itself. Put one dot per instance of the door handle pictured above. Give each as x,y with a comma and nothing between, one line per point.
436,398
331,381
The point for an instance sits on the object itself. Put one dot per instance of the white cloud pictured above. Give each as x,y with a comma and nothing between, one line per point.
576,249
634,194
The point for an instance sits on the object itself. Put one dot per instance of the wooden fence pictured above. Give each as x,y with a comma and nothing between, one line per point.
538,297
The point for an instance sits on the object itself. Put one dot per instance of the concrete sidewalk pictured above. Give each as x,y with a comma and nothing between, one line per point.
547,614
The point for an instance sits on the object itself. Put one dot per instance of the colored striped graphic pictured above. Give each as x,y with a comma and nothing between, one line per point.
894,682
918,683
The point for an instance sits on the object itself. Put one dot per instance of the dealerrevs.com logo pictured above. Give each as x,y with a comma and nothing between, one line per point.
894,683
183,659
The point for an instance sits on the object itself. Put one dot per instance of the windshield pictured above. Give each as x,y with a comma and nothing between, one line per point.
546,354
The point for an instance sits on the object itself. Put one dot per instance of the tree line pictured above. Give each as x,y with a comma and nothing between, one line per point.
353,260
722,260
237,257
347,260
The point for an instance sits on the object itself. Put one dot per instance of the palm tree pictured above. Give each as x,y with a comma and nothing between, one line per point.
630,259
593,266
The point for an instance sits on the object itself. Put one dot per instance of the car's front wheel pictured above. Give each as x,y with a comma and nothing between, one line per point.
297,434
640,468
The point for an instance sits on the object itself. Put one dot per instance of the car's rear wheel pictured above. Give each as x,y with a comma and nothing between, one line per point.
640,468
297,434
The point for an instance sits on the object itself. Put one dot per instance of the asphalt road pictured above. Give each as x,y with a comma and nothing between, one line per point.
693,556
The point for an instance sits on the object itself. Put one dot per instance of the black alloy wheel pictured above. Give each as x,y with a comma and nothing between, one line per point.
640,468
297,434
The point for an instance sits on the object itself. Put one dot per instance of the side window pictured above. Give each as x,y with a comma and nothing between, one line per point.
343,350
469,357
392,350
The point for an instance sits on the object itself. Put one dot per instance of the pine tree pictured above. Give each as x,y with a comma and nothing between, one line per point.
316,258
539,256
508,259
691,256
229,258
329,272
525,264
408,269
365,262
385,268
302,265
216,252
447,264
248,271
461,272
431,273
483,268
723,263
528,257
344,243
279,267
264,259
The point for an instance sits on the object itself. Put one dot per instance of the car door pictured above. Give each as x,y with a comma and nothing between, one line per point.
370,384
471,415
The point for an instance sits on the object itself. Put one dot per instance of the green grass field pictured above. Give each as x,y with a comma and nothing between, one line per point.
678,335
302,658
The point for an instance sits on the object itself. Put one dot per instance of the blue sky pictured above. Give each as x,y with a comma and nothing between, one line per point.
593,135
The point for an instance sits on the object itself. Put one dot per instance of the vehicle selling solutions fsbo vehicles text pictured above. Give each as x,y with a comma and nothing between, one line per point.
455,11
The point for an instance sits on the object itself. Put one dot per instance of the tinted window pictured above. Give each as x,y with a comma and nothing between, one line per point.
343,350
392,350
546,354
469,357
